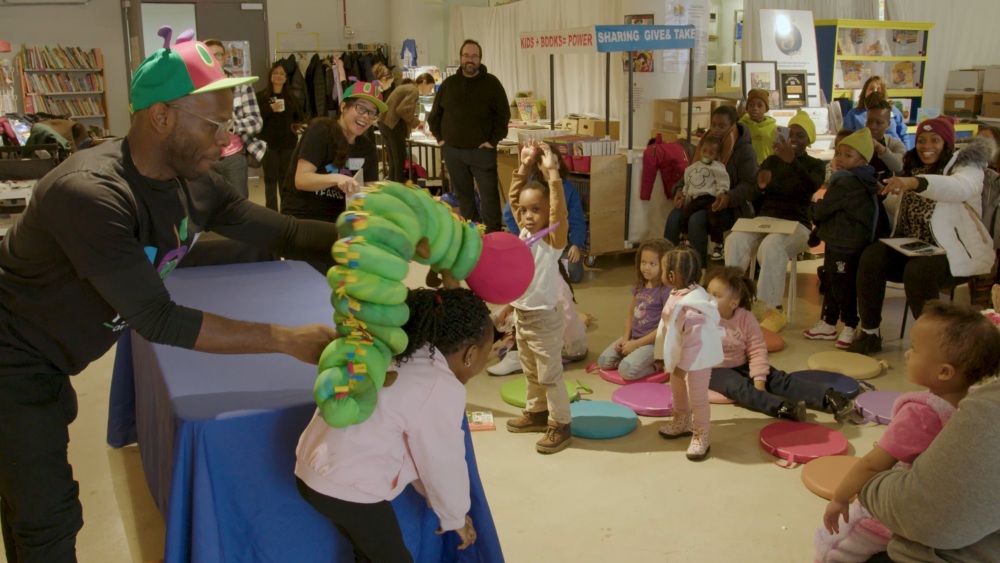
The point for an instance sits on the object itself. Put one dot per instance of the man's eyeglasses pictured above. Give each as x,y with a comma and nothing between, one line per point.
365,112
227,127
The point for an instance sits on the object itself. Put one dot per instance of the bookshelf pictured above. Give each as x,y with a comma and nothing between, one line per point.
65,81
851,51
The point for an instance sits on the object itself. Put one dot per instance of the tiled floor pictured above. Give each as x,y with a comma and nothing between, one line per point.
629,499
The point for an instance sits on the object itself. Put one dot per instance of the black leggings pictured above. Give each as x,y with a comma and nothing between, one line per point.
372,529
923,279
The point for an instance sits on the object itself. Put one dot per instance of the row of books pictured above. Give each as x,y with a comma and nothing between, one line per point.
63,83
76,107
896,75
596,148
58,57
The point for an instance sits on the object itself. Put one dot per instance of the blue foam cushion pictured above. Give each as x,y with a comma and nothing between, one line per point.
601,420
839,382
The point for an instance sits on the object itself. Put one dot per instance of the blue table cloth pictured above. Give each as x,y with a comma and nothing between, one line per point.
217,433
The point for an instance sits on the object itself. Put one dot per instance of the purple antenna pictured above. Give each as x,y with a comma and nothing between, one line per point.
165,32
185,36
530,241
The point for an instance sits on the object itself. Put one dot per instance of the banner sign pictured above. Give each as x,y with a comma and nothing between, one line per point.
615,38
578,40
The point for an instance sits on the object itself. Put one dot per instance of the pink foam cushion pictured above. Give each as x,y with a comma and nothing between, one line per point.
717,398
823,475
801,442
772,340
647,399
876,406
504,270
612,376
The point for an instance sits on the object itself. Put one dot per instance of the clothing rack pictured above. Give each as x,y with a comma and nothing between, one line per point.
306,54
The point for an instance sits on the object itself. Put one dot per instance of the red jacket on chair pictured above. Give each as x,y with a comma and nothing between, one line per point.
670,159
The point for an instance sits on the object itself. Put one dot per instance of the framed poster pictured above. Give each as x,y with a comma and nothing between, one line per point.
642,61
793,88
760,74
237,57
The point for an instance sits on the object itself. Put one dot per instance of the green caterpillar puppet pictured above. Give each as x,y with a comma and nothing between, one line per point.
384,227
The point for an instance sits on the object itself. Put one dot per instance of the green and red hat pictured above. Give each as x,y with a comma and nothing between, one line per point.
172,73
366,91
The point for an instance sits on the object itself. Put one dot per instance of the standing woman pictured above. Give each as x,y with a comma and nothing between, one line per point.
857,117
330,153
396,123
937,200
280,111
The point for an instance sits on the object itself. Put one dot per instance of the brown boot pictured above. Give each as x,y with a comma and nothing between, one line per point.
557,437
529,422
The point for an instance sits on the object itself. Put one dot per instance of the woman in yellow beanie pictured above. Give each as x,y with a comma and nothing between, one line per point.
785,185
763,128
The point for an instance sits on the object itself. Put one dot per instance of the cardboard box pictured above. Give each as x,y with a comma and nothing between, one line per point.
596,128
969,81
991,104
963,103
698,121
716,102
991,79
672,114
667,135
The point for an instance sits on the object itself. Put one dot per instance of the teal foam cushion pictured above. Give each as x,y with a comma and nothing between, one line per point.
601,420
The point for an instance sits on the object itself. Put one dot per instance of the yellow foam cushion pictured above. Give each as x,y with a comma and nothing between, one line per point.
823,475
850,364
772,340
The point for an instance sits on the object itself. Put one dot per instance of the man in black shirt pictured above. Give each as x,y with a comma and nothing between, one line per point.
469,119
87,259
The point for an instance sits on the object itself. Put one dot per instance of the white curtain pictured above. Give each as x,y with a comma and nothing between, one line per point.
579,79
821,9
964,34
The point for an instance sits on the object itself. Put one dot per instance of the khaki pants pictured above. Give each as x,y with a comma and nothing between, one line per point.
539,342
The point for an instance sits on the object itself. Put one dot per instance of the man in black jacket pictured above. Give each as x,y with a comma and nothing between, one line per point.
469,118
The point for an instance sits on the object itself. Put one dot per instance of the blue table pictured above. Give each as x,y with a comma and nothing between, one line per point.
217,433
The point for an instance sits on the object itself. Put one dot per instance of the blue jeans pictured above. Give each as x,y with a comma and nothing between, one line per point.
235,169
697,229
633,366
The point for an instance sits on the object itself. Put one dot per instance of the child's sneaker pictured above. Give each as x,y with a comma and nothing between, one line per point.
557,437
679,425
821,331
529,422
774,320
719,253
511,363
700,444
865,343
845,338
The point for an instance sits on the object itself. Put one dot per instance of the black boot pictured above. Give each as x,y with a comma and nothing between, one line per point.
793,411
837,404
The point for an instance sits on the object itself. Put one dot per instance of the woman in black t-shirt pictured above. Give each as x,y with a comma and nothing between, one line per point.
329,155
280,110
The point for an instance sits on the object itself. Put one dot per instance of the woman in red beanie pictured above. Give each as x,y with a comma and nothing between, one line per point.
938,200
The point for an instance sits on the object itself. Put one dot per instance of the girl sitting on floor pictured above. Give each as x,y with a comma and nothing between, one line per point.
745,375
632,354
415,435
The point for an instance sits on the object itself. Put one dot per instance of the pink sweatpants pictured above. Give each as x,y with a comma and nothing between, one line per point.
691,395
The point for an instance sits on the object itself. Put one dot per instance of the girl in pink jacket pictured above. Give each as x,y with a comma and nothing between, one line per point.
414,435
692,346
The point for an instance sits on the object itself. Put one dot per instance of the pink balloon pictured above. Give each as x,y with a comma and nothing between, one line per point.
504,271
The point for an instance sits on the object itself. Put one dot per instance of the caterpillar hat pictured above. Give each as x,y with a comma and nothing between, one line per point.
366,91
174,72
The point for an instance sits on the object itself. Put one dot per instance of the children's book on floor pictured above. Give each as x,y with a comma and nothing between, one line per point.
480,420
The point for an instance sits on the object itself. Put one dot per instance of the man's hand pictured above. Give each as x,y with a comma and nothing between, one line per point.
721,202
573,254
486,145
307,342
